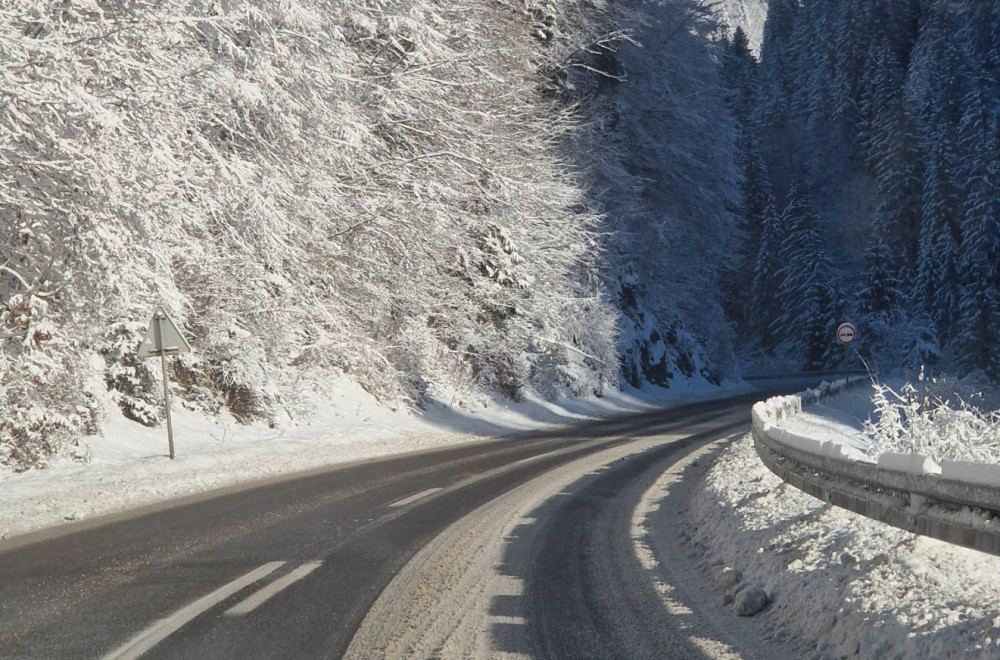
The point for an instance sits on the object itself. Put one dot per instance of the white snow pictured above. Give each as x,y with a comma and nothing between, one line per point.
983,474
843,585
838,418
127,466
909,463
747,14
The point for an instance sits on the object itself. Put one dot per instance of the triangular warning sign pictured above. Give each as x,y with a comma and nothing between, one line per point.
162,338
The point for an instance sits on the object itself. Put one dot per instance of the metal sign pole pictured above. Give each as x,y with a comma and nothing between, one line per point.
166,382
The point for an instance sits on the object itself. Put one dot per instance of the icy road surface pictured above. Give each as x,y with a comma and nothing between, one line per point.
539,545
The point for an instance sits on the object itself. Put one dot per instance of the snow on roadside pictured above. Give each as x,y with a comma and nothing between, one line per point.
127,466
839,418
843,585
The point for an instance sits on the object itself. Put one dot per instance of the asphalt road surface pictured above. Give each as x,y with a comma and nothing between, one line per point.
293,569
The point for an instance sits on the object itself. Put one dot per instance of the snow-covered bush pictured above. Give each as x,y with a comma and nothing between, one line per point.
418,195
933,418
41,396
129,379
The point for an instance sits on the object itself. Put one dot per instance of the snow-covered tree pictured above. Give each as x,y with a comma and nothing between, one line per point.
764,300
978,337
808,301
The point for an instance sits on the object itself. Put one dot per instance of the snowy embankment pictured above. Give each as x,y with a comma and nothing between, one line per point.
127,467
905,480
841,584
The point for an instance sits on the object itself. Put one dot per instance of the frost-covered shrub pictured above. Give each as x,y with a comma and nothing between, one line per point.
932,418
129,379
42,401
296,181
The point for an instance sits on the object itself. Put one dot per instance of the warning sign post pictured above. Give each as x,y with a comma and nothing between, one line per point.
163,339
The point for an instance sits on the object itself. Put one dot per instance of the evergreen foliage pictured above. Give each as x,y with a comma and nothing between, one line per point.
808,301
891,109
765,301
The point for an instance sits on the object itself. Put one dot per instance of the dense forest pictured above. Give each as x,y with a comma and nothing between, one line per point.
486,198
870,149
433,199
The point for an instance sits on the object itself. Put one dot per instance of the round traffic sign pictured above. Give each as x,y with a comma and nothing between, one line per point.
846,333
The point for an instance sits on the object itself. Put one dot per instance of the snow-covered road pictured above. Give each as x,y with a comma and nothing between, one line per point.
126,467
582,562
520,546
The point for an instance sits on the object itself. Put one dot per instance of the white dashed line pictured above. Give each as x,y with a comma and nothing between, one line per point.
162,629
414,498
258,598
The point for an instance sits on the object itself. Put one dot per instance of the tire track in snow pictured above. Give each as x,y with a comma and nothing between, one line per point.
533,574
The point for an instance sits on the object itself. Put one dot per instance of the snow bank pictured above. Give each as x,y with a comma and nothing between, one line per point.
126,466
843,585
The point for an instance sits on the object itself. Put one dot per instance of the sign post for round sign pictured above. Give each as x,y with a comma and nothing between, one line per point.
847,334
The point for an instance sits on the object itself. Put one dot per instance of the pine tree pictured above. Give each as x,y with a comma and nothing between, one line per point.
978,340
776,68
980,30
805,281
899,21
851,46
896,104
755,189
814,73
756,194
892,155
804,56
880,294
765,290
739,73
935,289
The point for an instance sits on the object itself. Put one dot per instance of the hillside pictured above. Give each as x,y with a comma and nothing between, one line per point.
870,137
418,197
748,15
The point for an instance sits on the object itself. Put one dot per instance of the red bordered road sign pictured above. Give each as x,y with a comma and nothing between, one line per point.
846,334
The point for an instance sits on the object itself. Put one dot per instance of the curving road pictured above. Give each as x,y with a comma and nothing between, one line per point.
518,543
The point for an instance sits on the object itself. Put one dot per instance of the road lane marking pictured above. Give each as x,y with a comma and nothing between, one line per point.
162,629
533,459
413,498
258,598
494,472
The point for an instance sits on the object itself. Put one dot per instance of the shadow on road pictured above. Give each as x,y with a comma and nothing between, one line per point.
583,592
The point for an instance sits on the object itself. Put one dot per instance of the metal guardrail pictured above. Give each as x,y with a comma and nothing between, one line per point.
961,513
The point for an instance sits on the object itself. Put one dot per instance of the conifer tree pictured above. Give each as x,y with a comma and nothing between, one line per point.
880,294
776,67
851,45
935,288
892,108
739,73
805,280
765,289
978,339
